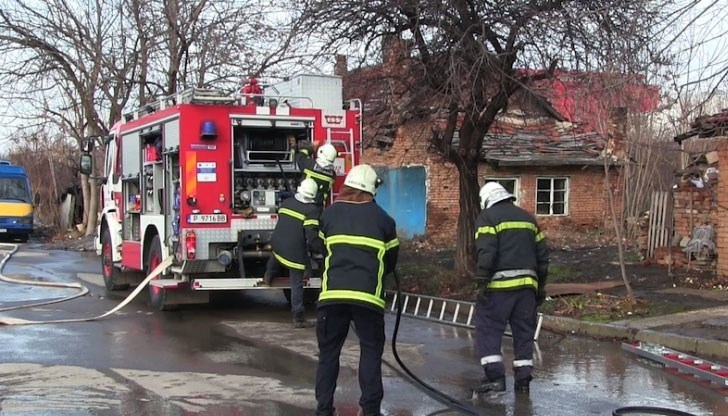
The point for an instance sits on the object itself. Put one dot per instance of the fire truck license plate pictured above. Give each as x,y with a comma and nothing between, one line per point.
206,218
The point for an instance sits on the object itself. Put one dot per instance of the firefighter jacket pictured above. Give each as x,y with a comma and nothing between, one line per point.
296,233
324,177
512,252
361,249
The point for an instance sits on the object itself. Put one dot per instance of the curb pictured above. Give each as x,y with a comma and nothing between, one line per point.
698,346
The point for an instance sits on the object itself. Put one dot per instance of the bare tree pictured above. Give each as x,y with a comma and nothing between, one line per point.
185,43
63,66
73,66
466,59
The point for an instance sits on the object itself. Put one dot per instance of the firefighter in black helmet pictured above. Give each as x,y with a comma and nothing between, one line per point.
362,248
294,238
511,272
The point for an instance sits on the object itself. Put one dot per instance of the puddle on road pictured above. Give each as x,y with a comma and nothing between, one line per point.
69,391
40,390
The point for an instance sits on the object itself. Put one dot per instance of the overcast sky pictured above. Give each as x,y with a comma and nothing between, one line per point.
700,50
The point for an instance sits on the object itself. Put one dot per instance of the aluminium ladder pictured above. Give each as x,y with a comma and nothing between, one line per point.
445,311
681,363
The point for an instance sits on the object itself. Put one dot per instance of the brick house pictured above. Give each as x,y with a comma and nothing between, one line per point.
700,194
542,148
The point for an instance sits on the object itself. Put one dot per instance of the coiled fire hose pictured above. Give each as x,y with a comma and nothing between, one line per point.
82,290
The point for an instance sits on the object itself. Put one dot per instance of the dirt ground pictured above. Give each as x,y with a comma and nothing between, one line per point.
575,258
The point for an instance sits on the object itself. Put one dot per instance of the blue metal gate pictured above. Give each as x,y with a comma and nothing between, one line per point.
404,196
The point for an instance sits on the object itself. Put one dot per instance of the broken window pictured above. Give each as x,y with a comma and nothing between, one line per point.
552,196
511,185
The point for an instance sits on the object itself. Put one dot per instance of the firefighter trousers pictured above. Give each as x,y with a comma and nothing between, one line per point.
273,269
493,311
332,327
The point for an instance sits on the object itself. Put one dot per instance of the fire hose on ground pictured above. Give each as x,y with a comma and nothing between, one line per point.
451,403
82,290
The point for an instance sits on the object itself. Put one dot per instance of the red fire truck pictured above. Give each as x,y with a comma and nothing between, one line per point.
199,175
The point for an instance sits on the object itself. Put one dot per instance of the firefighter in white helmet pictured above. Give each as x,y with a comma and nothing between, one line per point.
511,274
320,169
294,239
362,248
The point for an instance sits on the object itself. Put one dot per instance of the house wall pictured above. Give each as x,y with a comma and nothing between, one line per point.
722,210
588,203
687,215
588,199
410,148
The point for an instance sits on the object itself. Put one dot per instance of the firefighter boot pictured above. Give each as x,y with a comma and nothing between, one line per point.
299,322
487,385
522,386
302,323
265,281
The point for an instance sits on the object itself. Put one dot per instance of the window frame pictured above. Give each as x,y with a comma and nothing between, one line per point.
516,186
551,179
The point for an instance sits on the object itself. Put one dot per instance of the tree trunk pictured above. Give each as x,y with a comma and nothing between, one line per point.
93,207
469,209
86,196
618,229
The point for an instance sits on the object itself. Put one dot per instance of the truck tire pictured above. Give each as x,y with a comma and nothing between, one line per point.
112,275
157,295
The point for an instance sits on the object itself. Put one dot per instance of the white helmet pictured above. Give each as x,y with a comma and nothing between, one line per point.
308,188
363,178
491,193
326,155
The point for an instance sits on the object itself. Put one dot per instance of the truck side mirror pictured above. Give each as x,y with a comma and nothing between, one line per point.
86,164
36,199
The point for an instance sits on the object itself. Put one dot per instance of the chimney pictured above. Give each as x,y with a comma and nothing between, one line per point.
341,66
618,119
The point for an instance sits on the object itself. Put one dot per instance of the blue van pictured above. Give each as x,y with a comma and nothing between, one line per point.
16,202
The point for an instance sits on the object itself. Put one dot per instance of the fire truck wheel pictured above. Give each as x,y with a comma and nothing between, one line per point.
157,295
112,275
310,296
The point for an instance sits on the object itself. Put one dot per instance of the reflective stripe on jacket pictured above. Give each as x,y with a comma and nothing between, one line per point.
512,251
296,233
324,177
361,249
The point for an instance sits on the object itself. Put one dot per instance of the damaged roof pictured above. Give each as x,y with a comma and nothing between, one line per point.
532,132
715,125
550,124
550,142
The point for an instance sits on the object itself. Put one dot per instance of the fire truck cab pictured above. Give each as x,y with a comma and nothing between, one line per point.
200,175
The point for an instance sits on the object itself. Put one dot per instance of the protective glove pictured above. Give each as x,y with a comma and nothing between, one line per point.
482,284
540,298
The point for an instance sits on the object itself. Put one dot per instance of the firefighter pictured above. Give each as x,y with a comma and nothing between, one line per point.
362,248
511,274
253,92
294,238
321,169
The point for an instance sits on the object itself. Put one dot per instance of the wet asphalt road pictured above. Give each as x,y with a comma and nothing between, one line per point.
239,356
